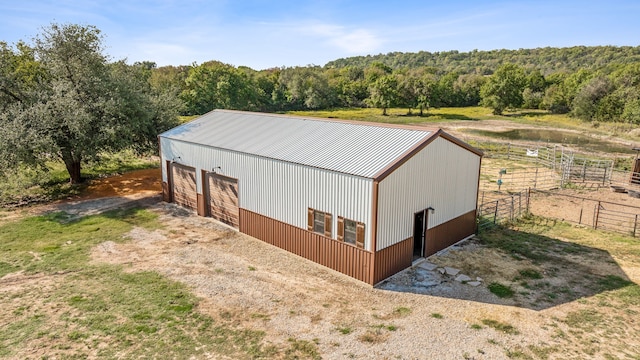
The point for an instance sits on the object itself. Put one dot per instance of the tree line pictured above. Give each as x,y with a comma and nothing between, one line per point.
607,90
61,97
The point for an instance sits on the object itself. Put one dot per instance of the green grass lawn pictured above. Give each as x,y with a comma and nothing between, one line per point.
77,309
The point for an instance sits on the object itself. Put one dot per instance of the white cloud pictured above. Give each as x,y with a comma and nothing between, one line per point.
352,41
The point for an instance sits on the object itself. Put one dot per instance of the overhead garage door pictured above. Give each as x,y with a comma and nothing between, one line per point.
223,198
184,186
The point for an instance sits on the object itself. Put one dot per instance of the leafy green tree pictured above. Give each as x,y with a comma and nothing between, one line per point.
349,86
447,95
586,103
215,85
467,87
427,92
504,88
305,88
534,92
73,104
383,93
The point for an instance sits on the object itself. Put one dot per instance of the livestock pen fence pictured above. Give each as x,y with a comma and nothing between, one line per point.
547,167
498,208
597,214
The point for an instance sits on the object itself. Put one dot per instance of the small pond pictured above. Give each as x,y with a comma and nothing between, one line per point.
555,137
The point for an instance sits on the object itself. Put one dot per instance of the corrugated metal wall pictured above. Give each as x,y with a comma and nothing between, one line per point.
448,233
443,175
393,259
278,189
333,254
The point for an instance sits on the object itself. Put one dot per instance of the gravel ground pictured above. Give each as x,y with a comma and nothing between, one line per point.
418,314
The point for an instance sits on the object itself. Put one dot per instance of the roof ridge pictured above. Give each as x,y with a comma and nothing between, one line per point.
334,120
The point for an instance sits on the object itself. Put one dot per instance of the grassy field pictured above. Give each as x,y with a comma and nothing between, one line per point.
581,269
473,113
64,306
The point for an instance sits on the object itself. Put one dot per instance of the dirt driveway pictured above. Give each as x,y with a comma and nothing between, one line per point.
419,314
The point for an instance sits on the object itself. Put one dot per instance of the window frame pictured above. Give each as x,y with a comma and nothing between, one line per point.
311,222
359,232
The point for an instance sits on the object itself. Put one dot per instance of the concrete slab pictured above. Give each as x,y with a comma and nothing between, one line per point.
428,266
462,278
474,283
451,271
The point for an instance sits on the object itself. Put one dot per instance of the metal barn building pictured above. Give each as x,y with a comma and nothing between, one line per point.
364,199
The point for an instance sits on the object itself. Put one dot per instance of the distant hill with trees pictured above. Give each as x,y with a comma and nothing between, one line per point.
547,60
598,83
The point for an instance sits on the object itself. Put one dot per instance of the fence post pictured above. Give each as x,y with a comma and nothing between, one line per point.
528,197
597,215
495,214
581,209
512,208
520,203
635,226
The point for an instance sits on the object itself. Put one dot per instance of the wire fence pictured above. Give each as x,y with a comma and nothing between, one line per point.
598,214
552,166
496,208
508,193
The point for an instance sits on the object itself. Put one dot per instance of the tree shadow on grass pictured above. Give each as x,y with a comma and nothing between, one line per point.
516,268
430,116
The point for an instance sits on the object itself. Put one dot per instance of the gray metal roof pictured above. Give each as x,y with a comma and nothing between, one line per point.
347,147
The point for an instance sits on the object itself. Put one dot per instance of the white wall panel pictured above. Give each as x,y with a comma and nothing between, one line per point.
279,189
443,175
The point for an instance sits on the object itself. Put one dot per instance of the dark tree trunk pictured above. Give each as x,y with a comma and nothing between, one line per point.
73,167
72,163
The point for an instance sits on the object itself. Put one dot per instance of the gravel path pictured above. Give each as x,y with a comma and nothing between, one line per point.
251,284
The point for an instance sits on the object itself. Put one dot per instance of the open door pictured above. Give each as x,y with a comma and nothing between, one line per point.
418,234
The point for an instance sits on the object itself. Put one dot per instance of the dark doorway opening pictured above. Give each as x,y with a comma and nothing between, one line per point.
418,235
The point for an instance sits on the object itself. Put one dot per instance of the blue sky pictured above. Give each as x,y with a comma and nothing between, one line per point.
263,34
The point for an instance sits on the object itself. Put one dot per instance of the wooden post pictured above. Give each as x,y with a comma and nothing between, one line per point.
597,215
635,226
495,214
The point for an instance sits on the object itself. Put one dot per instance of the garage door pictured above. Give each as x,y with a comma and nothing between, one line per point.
183,179
223,199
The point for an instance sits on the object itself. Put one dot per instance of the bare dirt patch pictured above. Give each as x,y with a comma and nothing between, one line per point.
147,182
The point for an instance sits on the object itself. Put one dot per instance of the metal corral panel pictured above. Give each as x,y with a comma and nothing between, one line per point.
443,175
278,189
356,149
